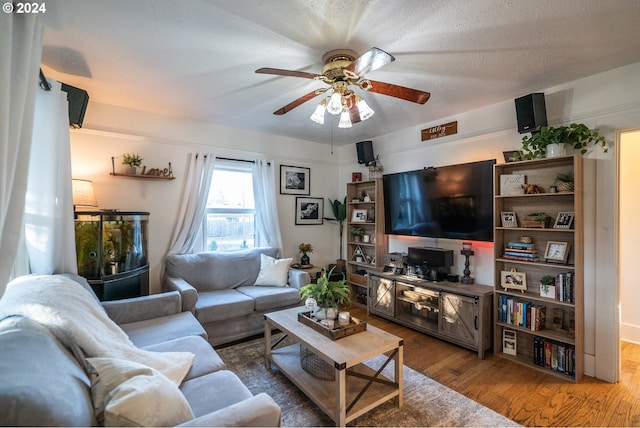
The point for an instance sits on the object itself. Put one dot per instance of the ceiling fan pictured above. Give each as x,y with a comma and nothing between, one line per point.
344,68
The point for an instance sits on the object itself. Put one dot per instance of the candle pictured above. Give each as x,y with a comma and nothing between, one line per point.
344,318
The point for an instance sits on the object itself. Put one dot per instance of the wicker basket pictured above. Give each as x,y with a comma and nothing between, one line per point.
315,365
565,187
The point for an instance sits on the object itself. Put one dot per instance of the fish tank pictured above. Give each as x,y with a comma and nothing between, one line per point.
111,251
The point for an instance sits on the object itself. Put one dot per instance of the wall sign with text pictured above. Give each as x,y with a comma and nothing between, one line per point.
440,131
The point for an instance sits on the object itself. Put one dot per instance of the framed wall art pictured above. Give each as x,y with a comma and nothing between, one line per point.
294,180
309,210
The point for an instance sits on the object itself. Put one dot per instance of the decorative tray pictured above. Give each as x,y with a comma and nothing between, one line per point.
355,326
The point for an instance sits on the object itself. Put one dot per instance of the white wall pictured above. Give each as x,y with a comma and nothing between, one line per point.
608,101
629,233
110,131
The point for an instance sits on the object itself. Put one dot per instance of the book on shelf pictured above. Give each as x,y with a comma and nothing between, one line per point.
557,356
565,287
520,258
521,245
521,313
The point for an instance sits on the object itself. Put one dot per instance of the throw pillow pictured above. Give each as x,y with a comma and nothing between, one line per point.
273,272
126,393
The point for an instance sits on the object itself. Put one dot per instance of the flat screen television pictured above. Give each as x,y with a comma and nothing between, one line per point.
454,201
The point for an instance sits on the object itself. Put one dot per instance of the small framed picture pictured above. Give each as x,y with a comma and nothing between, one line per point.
309,210
512,279
512,156
509,342
509,219
564,220
557,252
356,176
358,216
294,180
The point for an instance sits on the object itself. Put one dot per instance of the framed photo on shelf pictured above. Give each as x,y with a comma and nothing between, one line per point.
509,342
512,156
294,180
557,252
309,210
509,219
512,279
564,220
359,216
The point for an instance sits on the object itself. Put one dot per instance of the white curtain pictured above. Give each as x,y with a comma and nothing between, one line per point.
49,230
264,195
20,52
193,203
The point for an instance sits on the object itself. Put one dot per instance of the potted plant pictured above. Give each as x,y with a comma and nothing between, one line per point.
339,210
548,286
564,182
538,220
326,296
304,249
132,160
549,140
357,233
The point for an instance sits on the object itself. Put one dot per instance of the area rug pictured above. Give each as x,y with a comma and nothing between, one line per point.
426,402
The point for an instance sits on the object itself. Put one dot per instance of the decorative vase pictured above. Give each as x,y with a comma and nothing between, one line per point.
555,150
304,260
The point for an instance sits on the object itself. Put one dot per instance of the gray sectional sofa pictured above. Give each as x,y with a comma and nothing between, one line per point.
219,289
45,382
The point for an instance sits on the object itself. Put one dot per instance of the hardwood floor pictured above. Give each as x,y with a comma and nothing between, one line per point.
523,395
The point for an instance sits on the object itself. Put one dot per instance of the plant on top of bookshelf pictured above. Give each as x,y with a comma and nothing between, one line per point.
577,135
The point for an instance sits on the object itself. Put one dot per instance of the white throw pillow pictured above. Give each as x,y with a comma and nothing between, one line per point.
126,393
273,272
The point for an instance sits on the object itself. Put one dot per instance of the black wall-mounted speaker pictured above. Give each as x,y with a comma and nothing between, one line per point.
78,100
531,112
365,152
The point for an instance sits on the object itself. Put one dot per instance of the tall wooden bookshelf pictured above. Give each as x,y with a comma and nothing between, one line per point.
560,341
366,198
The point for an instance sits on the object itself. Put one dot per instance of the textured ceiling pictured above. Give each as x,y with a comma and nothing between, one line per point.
195,59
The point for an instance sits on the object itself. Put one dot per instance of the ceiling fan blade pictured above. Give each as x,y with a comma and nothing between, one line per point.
371,60
303,99
280,72
401,92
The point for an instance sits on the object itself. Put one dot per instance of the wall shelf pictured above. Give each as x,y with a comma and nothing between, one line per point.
149,177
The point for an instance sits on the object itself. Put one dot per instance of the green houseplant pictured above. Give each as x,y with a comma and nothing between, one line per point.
339,210
327,295
357,233
132,160
565,181
576,135
547,286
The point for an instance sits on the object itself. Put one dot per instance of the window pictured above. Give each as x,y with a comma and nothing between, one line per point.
229,221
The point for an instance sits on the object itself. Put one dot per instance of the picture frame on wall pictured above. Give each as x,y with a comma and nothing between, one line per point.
309,211
295,180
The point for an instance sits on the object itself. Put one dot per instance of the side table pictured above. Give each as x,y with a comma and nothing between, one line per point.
314,272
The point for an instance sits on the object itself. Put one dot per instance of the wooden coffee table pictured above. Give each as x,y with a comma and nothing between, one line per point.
358,387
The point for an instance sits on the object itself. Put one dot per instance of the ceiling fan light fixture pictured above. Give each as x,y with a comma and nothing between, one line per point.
345,120
318,114
334,106
365,111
